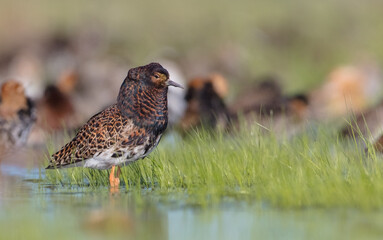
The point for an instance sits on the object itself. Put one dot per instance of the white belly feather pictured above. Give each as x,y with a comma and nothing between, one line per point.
104,160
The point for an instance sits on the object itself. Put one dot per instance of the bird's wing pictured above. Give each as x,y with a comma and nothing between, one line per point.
101,132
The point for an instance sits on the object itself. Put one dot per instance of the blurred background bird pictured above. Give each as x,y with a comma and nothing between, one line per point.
205,104
367,125
17,115
262,97
347,90
265,104
56,113
56,108
71,66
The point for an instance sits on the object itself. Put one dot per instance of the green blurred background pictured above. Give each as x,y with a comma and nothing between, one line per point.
299,41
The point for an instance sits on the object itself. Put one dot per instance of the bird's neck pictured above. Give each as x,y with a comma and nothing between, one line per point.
147,106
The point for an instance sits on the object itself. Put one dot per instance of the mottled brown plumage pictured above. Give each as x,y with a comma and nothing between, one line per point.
107,130
126,131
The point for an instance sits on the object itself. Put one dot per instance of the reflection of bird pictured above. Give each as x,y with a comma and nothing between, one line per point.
105,221
205,105
126,131
17,114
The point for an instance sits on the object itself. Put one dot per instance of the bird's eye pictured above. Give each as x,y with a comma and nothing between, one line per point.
156,76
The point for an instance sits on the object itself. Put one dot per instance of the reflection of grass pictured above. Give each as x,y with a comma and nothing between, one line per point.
313,169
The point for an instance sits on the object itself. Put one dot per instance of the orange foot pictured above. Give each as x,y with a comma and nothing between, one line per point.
114,180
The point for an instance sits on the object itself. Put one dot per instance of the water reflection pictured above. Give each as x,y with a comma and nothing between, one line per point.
74,213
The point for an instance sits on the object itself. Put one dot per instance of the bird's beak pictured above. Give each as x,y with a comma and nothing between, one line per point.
174,84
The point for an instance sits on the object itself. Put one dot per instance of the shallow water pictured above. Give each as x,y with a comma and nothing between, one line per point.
30,209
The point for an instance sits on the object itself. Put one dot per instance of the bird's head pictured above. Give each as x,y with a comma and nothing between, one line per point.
143,95
152,74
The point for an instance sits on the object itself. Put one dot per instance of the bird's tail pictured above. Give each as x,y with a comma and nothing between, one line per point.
62,157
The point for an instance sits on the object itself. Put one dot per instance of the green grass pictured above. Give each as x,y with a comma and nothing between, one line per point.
314,169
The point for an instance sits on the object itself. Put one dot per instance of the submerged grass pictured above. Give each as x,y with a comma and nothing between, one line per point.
314,169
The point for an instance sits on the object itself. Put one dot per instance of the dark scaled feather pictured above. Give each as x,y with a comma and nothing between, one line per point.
141,101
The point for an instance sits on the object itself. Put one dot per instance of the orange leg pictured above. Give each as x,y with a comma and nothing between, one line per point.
114,180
